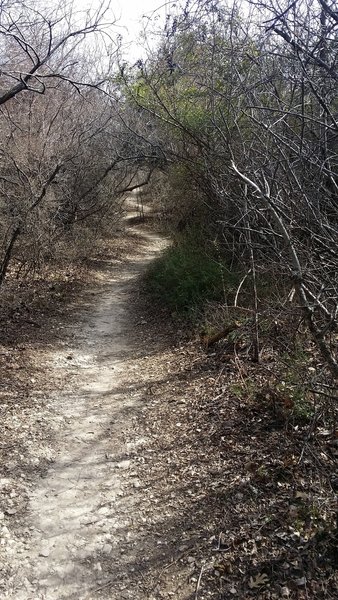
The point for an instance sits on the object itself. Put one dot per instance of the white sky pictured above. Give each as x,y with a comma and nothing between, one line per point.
133,16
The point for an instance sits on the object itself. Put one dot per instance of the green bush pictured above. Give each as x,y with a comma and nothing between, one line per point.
185,276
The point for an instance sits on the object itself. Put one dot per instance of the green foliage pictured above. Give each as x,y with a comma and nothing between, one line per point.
294,385
245,390
185,277
287,397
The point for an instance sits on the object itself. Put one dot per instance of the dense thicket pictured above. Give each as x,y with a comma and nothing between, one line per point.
244,102
66,152
236,110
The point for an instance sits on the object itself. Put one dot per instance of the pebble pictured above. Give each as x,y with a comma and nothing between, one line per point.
104,510
5,532
11,511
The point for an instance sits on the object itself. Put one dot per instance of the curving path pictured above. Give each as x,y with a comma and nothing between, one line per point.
81,513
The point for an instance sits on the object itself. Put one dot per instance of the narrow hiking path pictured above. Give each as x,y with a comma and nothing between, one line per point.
137,465
81,512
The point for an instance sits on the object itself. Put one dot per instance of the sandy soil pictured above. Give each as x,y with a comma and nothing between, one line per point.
80,516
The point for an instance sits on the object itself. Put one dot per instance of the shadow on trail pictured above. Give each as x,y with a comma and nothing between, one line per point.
121,517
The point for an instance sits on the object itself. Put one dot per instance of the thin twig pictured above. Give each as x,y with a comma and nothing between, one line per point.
239,288
102,587
314,391
198,584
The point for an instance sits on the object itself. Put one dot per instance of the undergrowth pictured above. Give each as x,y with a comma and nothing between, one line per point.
185,277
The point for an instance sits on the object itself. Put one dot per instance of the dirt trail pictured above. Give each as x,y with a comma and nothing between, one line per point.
81,513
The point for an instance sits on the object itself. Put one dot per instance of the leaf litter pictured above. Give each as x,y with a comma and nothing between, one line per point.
234,500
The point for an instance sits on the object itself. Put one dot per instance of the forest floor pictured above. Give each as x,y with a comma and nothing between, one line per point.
137,465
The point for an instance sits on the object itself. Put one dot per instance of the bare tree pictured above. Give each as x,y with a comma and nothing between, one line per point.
251,107
67,153
39,44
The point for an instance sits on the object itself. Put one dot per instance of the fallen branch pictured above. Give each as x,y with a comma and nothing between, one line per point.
208,341
198,584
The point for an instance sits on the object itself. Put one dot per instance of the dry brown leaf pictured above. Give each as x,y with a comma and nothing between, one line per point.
258,581
301,496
